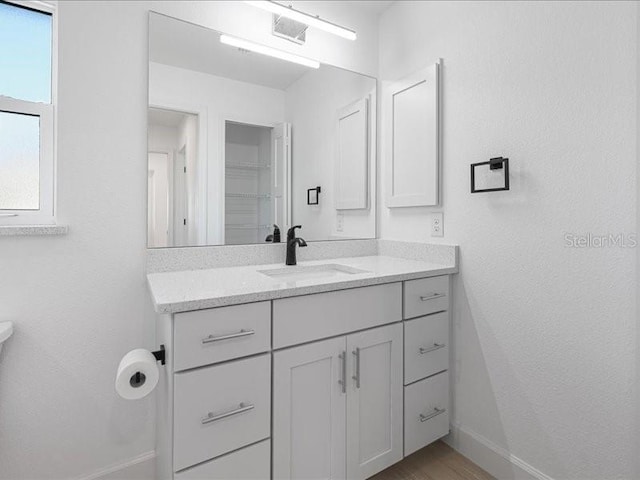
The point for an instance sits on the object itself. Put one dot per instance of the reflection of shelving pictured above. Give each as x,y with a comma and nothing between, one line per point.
260,196
247,166
248,227
248,170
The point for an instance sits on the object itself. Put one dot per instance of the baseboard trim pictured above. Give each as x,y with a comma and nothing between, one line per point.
491,457
120,470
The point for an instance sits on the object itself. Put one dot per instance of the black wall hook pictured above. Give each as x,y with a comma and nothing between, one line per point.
496,163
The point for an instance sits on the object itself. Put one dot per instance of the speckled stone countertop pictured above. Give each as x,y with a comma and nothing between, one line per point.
182,291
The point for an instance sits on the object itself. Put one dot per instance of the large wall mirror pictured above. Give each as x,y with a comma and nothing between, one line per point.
239,142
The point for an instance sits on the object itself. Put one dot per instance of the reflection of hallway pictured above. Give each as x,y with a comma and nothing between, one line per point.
172,187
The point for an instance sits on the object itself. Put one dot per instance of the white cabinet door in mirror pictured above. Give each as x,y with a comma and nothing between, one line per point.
352,160
413,140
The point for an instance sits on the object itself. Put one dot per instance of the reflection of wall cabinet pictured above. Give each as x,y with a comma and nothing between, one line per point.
329,385
412,139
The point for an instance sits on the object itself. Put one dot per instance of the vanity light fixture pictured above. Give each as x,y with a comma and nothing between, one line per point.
272,52
298,16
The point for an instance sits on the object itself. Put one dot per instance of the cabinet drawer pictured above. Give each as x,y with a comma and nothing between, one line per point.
250,463
218,334
426,412
426,346
425,296
220,408
302,319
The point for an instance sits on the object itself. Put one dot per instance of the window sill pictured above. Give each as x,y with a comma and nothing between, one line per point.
32,230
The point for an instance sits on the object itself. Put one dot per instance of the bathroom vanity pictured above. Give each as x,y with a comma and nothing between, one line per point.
336,368
333,369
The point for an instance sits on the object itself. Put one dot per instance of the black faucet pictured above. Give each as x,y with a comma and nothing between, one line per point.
275,237
292,241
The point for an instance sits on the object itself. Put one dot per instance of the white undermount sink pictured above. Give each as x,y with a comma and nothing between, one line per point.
310,272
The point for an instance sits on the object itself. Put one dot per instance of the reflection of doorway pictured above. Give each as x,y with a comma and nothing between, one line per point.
256,179
158,211
180,231
247,152
173,177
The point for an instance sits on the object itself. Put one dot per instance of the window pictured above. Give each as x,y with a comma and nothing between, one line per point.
26,113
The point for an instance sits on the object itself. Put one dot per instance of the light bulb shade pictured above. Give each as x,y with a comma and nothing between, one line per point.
305,18
272,52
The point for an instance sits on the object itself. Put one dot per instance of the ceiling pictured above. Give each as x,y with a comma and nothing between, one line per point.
189,46
373,6
165,118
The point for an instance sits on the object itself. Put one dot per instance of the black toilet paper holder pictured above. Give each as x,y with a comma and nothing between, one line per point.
160,355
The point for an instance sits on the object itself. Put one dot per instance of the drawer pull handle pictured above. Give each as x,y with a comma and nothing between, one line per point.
241,333
211,417
433,296
436,346
435,413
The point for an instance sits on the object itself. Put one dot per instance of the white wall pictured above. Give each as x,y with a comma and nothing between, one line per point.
637,383
312,103
544,334
80,301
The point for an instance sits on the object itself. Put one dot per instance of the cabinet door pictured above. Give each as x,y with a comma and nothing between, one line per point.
309,406
374,401
412,148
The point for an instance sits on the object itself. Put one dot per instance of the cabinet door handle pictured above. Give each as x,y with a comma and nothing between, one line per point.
356,377
432,296
436,346
343,371
436,411
242,408
241,333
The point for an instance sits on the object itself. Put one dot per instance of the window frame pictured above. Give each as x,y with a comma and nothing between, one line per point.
45,215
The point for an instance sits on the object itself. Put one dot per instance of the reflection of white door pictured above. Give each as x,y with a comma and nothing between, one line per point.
151,210
158,200
180,210
281,175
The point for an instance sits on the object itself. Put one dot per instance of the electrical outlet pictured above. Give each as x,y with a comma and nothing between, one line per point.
437,224
339,222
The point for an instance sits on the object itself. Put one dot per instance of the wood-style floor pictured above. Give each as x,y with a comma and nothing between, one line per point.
437,461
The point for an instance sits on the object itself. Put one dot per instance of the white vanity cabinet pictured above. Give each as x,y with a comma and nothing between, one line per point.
335,385
337,406
374,401
309,411
426,361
